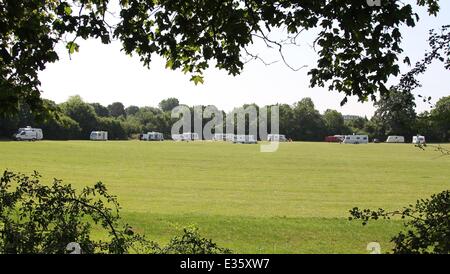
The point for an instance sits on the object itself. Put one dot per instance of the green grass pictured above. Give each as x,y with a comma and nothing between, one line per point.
295,200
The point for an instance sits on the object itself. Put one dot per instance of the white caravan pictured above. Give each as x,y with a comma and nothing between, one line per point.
99,136
276,138
177,137
29,133
229,137
188,136
223,137
152,136
418,139
219,137
395,139
356,139
340,137
244,139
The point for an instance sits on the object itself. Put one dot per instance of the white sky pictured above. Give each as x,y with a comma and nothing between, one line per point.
101,73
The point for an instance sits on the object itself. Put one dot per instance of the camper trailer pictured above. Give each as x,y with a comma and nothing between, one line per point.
177,137
356,139
244,139
395,139
419,139
152,136
99,136
229,137
29,133
276,138
189,136
219,137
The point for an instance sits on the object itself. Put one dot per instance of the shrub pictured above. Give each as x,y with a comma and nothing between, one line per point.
190,242
38,218
35,218
427,228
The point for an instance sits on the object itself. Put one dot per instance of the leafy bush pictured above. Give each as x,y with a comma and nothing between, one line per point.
190,242
38,218
427,228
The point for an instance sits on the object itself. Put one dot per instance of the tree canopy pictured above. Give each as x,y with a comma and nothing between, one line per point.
395,114
358,44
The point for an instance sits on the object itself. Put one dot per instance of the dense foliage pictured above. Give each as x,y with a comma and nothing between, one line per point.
427,229
190,242
40,218
75,119
358,44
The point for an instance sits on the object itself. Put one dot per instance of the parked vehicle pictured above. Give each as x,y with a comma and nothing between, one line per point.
356,139
187,136
340,137
244,139
177,137
395,139
418,139
332,139
229,137
152,136
99,136
190,136
220,137
276,138
29,133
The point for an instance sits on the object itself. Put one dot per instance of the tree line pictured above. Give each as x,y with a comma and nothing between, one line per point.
75,119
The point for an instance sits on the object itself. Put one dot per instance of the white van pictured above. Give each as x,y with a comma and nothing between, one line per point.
418,139
152,136
244,139
276,138
29,133
99,135
395,139
356,139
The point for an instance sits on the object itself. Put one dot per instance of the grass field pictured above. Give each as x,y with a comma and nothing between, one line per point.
295,200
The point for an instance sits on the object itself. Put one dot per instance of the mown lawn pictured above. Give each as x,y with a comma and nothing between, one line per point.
295,200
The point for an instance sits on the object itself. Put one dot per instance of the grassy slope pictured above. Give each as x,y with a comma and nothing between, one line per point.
294,200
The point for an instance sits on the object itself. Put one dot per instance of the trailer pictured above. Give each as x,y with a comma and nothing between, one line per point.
152,136
395,139
356,139
177,137
190,136
29,133
186,136
99,136
276,138
332,139
229,137
219,137
244,139
418,139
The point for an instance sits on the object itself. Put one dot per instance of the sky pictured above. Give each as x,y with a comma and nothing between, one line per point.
104,74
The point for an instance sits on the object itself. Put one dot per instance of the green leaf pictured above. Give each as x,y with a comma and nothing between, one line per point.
197,79
67,10
72,47
169,64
